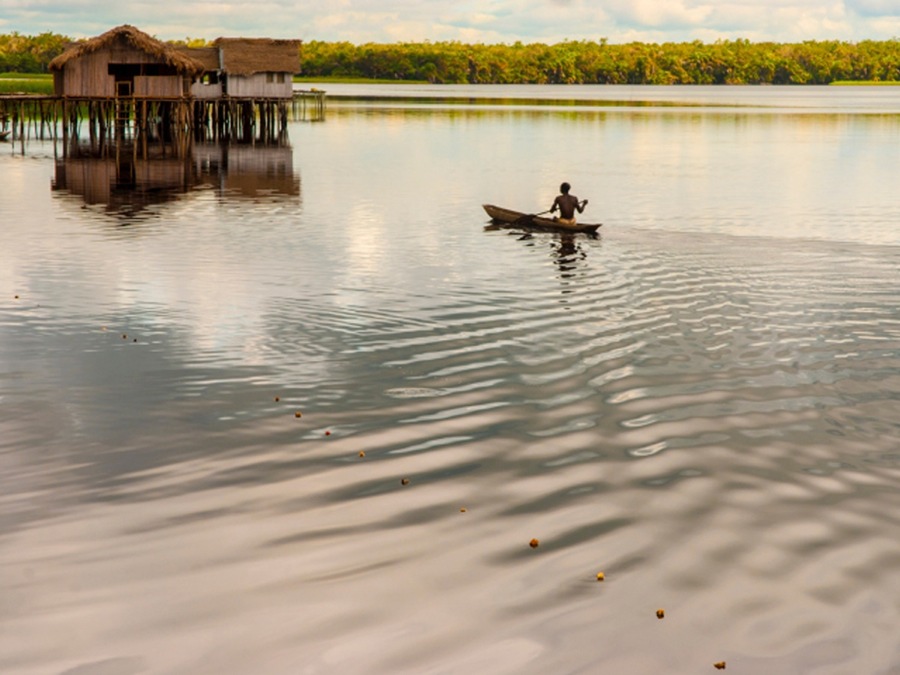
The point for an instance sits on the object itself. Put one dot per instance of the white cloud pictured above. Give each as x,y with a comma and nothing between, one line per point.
487,21
658,13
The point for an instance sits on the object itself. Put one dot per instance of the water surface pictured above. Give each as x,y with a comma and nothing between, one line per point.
701,403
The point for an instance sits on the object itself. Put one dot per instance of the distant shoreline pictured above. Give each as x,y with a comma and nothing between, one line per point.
42,83
867,83
723,62
302,79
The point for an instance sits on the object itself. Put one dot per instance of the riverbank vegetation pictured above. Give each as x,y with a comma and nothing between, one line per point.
570,62
586,62
340,79
868,83
26,83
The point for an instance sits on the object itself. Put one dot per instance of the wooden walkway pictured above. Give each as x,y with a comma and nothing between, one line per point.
175,119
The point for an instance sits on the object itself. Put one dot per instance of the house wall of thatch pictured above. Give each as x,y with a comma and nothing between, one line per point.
90,76
206,92
260,85
86,76
161,86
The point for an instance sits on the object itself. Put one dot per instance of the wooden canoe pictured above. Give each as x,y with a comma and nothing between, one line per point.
509,218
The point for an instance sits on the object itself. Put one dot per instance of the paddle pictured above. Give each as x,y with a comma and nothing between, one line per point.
529,216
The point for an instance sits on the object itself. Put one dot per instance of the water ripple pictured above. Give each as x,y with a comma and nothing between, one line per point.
373,422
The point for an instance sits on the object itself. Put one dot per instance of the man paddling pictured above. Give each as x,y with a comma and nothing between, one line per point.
567,205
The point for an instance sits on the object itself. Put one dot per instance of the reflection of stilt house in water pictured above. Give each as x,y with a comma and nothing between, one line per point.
125,75
236,171
126,185
122,183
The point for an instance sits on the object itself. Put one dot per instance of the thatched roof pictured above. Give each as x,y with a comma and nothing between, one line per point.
208,57
129,36
246,56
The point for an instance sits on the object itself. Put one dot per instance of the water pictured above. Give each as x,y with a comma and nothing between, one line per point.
701,403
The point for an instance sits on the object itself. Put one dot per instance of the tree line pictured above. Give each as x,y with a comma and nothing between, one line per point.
590,62
30,53
569,62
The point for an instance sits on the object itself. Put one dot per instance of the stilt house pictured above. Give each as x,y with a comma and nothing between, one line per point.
125,62
128,80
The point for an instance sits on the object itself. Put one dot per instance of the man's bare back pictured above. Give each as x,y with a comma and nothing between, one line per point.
567,204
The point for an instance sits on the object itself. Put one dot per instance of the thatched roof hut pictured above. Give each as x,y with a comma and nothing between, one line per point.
129,37
123,61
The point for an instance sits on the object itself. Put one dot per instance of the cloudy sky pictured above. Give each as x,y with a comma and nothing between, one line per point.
488,21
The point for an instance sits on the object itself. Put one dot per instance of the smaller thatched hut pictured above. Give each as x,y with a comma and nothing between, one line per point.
124,61
258,67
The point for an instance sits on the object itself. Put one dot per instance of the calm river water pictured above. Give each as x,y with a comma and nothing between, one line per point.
703,403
